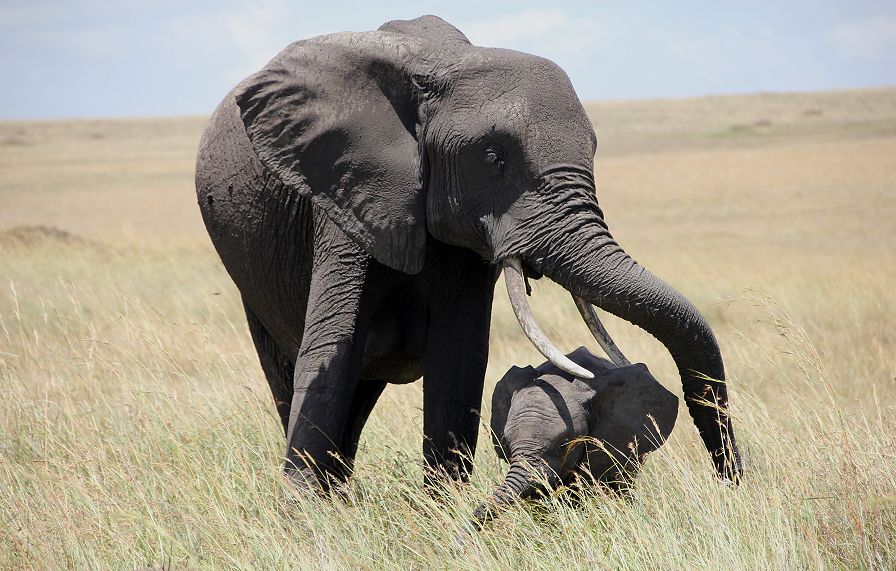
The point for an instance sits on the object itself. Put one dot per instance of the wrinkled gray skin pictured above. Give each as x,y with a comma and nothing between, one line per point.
362,190
547,425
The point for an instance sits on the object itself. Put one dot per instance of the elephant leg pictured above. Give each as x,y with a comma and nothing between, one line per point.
277,366
454,368
328,364
366,395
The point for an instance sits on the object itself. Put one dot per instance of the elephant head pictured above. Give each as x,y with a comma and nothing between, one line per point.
553,428
410,133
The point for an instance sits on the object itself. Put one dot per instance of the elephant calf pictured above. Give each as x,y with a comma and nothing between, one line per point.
556,429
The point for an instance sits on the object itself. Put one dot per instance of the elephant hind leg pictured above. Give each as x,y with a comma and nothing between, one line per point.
277,366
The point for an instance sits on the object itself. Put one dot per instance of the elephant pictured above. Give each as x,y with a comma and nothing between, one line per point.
553,428
365,190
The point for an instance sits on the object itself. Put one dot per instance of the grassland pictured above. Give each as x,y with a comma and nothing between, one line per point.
136,428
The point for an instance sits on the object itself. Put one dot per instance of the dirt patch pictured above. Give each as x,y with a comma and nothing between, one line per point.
40,235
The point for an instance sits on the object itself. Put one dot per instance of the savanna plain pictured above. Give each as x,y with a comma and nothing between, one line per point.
136,428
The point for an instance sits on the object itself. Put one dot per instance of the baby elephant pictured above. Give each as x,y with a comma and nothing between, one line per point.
556,429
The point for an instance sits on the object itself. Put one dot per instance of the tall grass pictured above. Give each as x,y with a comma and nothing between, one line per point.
136,429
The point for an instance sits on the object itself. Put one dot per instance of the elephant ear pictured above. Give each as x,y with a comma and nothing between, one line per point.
334,118
632,415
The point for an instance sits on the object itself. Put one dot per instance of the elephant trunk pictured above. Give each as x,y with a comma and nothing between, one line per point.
518,483
585,259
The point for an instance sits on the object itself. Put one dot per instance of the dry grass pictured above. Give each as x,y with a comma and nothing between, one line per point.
136,428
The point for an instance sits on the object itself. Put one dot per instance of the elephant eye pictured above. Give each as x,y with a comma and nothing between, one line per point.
495,156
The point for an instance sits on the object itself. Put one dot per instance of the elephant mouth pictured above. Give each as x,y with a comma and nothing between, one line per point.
529,272
515,273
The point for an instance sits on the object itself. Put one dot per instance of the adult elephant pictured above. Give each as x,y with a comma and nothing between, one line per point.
363,191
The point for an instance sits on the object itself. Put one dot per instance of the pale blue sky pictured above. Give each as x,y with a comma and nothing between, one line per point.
94,58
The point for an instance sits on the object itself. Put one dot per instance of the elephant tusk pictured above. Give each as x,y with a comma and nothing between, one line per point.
516,290
600,333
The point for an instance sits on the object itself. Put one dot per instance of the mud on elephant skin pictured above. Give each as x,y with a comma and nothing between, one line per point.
555,429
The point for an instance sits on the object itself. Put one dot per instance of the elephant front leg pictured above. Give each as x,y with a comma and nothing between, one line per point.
454,371
327,370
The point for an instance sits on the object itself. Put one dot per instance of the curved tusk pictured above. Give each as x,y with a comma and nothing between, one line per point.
516,290
600,333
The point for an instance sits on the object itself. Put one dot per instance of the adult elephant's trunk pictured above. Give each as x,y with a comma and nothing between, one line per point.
601,273
581,255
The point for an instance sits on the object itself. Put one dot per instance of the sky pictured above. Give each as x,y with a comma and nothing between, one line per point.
92,58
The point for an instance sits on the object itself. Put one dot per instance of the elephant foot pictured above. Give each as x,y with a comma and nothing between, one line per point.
438,484
313,480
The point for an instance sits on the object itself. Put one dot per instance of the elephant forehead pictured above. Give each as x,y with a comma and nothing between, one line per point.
514,67
540,398
544,403
538,426
527,96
